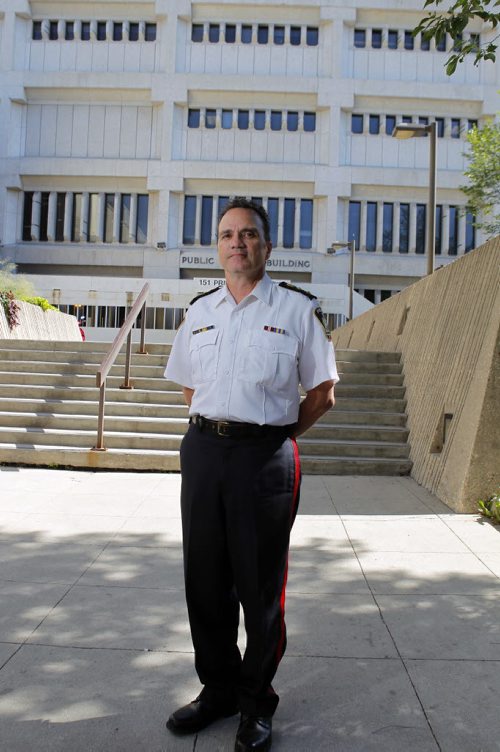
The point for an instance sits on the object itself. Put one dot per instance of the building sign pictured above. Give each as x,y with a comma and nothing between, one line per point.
203,284
290,262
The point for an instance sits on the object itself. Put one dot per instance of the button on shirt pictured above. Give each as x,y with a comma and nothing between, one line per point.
245,361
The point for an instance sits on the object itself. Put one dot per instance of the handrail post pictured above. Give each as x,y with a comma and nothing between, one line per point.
142,350
99,447
126,384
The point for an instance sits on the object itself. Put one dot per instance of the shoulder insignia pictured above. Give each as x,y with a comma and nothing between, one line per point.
321,318
203,294
288,286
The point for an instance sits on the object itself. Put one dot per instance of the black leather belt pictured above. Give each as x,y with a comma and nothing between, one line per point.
230,429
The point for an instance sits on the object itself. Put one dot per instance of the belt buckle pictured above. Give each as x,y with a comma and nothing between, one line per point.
223,429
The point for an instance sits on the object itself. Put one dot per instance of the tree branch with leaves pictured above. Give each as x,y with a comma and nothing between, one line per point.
483,173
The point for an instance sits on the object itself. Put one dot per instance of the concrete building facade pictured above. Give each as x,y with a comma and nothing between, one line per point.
124,127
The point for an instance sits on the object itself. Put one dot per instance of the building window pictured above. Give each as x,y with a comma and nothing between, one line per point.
453,219
60,205
455,128
101,31
276,120
440,127
36,32
421,224
309,121
438,236
371,226
471,124
407,119
76,218
210,118
376,39
213,33
117,32
142,218
289,223
457,42
390,124
359,37
356,123
207,204
227,119
279,35
257,200
388,218
197,33
404,228
441,44
125,199
295,35
470,231
189,223
221,203
85,31
409,40
425,43
306,222
193,118
354,226
133,32
150,32
109,207
243,120
312,36
273,214
392,39
27,211
93,218
374,124
53,30
262,34
259,120
423,121
246,34
292,121
69,30
230,33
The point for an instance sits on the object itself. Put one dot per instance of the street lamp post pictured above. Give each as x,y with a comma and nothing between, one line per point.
411,130
337,244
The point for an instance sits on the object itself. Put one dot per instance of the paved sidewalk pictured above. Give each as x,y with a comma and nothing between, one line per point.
393,616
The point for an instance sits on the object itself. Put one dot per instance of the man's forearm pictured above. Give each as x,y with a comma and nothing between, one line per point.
316,402
188,395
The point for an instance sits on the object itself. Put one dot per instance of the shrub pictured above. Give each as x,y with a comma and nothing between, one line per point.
42,302
491,507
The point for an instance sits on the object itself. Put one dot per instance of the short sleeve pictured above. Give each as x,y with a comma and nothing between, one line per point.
179,365
317,357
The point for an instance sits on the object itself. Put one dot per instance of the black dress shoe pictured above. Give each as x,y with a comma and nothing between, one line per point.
197,714
254,733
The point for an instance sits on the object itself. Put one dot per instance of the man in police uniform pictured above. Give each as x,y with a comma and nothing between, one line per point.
239,356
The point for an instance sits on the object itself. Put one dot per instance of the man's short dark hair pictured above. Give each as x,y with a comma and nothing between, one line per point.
240,202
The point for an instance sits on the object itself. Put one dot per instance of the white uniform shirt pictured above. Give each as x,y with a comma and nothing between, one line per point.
245,361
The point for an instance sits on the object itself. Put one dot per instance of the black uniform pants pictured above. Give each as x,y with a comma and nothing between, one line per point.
239,499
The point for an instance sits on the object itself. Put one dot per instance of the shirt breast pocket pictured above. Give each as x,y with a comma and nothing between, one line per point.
204,353
270,359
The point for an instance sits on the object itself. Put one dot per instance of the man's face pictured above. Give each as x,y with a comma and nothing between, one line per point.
241,245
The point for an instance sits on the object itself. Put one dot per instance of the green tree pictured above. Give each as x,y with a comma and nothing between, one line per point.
483,172
10,281
453,20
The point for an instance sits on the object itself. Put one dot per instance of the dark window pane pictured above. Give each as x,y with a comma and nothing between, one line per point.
470,232
69,30
374,124
44,214
441,44
388,217
475,41
309,121
93,218
356,123
289,223
230,33
440,127
371,226
421,225
392,39
390,124
150,32
257,200
213,32
60,204
210,118
471,124
353,231
101,31
407,119
262,34
227,119
27,209
359,38
37,30
306,222
193,118
438,236
276,120
312,36
222,201
243,120
53,31
85,31
292,121
425,44
246,34
125,218
76,218
423,120
409,40
133,31
197,33
259,120
453,219
117,32
189,223
108,217
279,35
272,212
376,38
457,42
404,228
207,204
142,218
295,34
455,128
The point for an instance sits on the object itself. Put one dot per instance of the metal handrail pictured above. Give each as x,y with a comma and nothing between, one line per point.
105,367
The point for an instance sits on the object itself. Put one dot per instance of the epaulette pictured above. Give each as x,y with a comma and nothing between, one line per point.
288,286
203,294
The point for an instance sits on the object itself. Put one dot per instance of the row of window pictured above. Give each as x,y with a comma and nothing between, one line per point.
395,39
275,120
85,217
403,239
113,316
232,33
101,31
290,219
375,124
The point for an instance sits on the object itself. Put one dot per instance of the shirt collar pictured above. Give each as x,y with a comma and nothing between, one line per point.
262,291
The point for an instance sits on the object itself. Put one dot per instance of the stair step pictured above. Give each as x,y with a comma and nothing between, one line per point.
318,447
352,466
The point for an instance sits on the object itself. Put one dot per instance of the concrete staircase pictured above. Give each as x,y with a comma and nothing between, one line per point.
49,405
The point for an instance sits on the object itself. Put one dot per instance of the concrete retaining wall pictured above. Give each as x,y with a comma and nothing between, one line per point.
34,323
447,328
